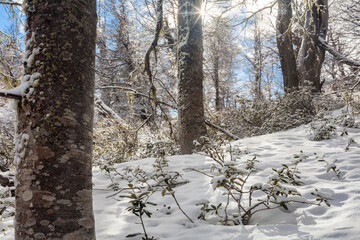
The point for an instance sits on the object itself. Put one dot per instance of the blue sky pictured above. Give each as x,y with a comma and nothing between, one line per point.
5,17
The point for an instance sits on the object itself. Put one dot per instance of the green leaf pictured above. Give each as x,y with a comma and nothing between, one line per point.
284,205
148,213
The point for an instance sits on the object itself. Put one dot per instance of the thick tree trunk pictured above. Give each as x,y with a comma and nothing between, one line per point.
311,57
285,45
190,74
55,121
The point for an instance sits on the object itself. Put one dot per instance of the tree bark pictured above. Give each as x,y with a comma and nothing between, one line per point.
285,45
311,57
216,61
55,122
190,74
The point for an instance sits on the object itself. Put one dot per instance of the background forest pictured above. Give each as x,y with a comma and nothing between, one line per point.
263,66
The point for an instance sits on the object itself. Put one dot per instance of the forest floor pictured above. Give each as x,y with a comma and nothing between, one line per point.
301,221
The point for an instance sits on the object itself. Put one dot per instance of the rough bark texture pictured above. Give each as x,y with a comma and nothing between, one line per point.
190,74
55,121
285,45
311,57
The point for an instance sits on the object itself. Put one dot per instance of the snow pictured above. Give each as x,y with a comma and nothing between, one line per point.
300,221
340,221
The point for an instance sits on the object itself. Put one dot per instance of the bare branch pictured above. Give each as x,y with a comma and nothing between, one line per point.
226,132
4,94
10,3
254,13
341,58
159,13
107,110
137,94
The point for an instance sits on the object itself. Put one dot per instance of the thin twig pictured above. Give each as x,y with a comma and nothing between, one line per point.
138,94
195,170
11,3
177,203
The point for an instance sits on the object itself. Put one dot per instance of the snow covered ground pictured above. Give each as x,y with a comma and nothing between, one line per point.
340,221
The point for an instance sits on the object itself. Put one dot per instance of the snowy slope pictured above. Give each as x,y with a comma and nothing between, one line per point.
340,221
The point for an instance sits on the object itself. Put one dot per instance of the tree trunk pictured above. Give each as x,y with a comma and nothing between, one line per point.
216,61
55,121
190,74
285,45
311,57
258,63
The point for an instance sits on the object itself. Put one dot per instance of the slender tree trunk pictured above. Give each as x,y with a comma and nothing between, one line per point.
218,102
311,57
55,121
258,63
104,75
190,74
285,45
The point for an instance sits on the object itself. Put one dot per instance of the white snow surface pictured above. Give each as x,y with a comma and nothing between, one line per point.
340,221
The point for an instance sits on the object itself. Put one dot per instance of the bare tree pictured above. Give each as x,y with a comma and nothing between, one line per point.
311,57
304,65
190,74
285,45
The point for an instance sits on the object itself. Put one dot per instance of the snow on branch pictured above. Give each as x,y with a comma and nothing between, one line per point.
226,132
15,93
324,45
6,94
107,110
10,3
138,94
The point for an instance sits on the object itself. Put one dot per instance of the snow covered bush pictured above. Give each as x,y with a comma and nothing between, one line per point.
6,148
322,130
287,111
116,143
251,118
230,175
113,142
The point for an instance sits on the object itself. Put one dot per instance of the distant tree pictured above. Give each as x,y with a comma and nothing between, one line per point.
55,122
220,53
344,37
190,74
285,45
305,63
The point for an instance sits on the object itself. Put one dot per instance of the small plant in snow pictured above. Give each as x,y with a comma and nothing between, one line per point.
322,130
349,142
291,175
330,166
139,200
168,180
231,176
322,197
143,184
209,212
